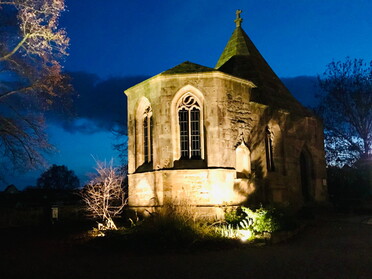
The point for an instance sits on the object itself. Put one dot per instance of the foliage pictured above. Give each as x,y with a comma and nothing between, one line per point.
169,229
104,195
263,220
231,232
260,220
31,80
175,222
346,109
348,187
175,225
58,178
235,216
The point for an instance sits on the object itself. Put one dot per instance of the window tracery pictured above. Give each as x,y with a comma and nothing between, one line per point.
189,127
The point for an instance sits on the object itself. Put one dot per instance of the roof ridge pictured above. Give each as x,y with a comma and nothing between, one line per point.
188,67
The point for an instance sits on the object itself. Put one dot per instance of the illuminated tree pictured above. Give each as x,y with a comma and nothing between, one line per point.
346,109
31,46
58,178
104,195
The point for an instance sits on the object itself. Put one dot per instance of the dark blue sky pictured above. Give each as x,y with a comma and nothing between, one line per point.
119,38
115,37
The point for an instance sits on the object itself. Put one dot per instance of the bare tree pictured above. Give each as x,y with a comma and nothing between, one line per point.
121,145
104,195
346,109
31,78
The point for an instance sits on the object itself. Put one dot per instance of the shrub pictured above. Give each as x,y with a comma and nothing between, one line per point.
260,220
234,217
348,187
264,220
174,225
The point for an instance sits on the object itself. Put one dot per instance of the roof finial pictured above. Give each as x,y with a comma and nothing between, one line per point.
238,20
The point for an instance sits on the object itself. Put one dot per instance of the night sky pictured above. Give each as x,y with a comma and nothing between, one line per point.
116,43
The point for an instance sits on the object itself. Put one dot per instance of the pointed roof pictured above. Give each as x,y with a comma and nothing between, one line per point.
237,45
242,59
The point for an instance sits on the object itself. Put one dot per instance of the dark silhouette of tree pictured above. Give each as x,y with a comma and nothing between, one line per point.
121,144
58,178
346,109
31,80
348,187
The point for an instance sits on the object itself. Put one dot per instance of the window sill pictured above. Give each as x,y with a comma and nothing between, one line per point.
190,164
145,167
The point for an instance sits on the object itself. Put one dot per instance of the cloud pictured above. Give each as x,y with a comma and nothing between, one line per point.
81,125
303,88
101,105
98,104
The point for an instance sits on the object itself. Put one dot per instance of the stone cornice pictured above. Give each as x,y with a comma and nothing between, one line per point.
165,77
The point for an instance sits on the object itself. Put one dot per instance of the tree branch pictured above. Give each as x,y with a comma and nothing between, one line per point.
10,54
7,94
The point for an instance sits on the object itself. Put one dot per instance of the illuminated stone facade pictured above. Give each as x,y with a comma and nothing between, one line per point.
222,136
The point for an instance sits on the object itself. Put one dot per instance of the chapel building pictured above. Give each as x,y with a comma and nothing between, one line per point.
222,136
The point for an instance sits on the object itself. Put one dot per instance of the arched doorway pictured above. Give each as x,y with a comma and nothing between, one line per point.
306,175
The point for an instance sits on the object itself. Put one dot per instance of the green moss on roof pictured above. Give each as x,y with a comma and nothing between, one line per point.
242,59
188,67
237,45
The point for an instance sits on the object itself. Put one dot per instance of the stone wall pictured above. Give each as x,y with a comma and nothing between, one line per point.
196,186
229,119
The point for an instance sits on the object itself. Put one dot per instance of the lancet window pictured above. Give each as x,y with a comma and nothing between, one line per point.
269,150
190,127
147,135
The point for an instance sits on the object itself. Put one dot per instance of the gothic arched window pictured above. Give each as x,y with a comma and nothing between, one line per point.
190,131
269,150
147,135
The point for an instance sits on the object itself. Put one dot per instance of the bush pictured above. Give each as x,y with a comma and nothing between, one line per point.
261,220
265,220
175,225
348,187
235,217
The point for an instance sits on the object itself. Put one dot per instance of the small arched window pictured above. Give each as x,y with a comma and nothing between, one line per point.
189,123
147,135
269,150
